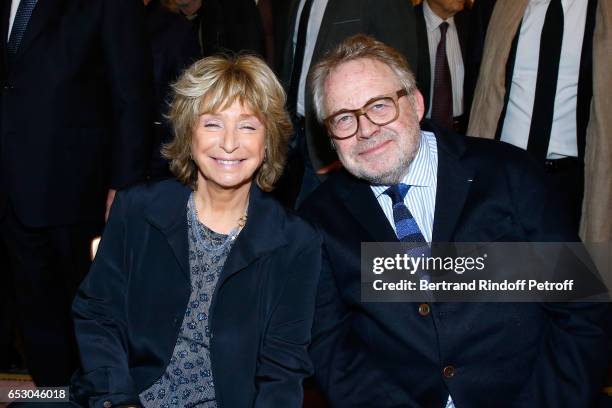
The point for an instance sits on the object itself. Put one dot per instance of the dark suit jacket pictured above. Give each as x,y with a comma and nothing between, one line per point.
504,354
281,12
390,21
129,308
174,46
230,25
423,74
74,109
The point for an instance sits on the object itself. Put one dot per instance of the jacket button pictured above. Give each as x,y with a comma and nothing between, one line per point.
448,371
424,309
107,404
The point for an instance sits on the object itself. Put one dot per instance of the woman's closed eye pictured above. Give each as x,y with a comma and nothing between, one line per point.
247,127
212,124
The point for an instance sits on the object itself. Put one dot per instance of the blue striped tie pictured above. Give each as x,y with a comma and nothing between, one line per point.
406,227
24,11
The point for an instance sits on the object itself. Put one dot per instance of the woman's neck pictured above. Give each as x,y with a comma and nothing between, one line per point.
221,209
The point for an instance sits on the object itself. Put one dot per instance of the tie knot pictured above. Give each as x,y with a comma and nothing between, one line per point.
443,27
398,192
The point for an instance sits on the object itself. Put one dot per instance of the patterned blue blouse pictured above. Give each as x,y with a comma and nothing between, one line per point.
188,381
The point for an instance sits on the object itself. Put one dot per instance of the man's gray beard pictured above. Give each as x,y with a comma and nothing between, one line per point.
392,177
395,175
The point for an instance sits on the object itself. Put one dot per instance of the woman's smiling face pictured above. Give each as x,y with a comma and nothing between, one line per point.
228,146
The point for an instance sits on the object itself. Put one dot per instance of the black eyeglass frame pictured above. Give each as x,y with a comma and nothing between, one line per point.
362,111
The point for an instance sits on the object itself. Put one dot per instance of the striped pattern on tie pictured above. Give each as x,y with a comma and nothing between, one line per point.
22,17
422,176
406,227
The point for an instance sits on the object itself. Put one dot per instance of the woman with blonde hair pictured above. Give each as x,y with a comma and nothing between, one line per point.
202,291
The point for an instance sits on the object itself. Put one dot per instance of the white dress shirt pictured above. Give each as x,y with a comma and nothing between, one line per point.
422,176
563,140
453,54
14,6
421,198
314,24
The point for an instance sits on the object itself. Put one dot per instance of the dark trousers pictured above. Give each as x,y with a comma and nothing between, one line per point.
46,265
8,352
567,177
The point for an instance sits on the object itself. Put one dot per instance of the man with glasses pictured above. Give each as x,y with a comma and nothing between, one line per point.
403,183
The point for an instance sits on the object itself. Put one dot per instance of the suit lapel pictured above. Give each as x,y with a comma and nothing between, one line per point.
328,17
461,22
424,68
261,235
288,55
44,12
167,212
4,23
454,181
358,198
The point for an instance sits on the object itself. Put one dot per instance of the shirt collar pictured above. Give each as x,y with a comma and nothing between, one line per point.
432,20
420,172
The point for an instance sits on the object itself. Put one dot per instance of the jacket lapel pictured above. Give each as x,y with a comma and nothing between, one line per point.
261,234
424,68
358,198
328,18
288,50
5,13
461,22
44,13
167,212
454,181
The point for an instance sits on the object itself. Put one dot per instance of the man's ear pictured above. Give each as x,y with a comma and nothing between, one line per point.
419,104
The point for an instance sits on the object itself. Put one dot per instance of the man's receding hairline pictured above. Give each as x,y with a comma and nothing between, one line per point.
359,59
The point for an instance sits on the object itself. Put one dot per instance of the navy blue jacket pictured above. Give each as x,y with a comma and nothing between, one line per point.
502,354
75,109
129,308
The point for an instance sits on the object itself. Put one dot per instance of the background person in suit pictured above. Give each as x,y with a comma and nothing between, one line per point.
213,308
401,183
310,36
225,25
544,86
266,12
75,116
173,48
442,31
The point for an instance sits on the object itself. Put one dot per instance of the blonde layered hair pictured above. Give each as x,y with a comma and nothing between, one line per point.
213,84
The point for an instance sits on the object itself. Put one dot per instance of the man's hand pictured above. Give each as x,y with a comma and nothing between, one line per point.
109,201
